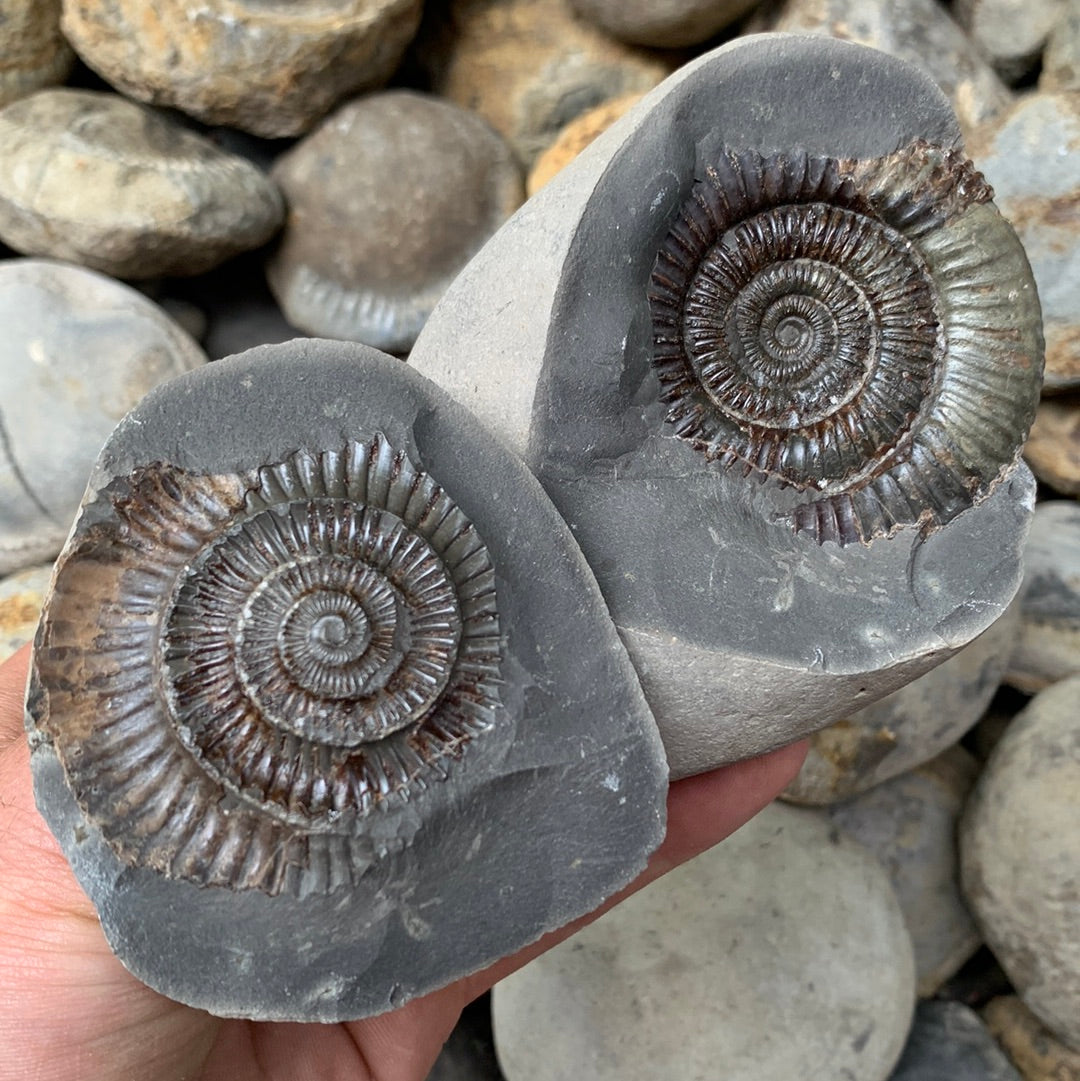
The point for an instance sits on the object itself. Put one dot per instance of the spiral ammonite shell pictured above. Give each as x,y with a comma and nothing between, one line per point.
329,642
863,331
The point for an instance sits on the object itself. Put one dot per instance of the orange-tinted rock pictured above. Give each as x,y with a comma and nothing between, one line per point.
1034,1050
1053,447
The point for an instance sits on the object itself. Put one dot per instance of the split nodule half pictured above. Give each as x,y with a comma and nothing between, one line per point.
773,354
326,709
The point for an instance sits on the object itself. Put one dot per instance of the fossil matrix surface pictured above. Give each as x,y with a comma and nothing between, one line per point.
772,351
309,708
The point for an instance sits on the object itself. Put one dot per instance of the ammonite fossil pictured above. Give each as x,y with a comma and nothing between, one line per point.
310,673
838,325
772,352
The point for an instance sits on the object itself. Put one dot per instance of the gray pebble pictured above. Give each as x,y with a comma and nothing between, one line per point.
1020,850
269,68
427,746
388,199
33,52
920,31
779,955
1029,156
1061,58
97,180
909,823
911,725
78,351
1048,648
1011,33
662,23
948,1042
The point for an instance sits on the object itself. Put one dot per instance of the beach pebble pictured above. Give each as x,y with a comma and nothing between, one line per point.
1011,33
1020,855
529,67
78,351
21,597
98,180
1061,58
780,954
665,24
1048,647
573,139
33,52
1029,157
909,823
1032,1047
269,68
388,199
1053,447
948,1042
920,31
909,726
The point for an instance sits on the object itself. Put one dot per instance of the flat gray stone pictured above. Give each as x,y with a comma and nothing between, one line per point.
1020,850
745,631
98,180
273,69
909,823
77,352
948,1042
778,955
911,725
1048,646
385,732
388,199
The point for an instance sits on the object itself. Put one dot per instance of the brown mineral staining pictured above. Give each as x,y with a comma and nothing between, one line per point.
1034,1050
271,69
573,139
835,325
319,655
1053,447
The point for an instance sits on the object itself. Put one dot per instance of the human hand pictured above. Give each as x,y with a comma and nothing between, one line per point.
69,1011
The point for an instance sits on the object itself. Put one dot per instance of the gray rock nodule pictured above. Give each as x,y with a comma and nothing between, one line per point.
273,69
781,954
98,180
1020,850
771,444
325,708
77,352
388,199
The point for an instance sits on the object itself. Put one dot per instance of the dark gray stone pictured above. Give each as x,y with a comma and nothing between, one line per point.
745,633
388,199
527,787
948,1042
665,24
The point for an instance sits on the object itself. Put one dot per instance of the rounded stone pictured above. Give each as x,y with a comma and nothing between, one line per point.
33,52
1020,854
388,199
270,68
1032,1047
1053,447
21,597
92,178
909,726
78,351
781,953
1048,645
670,24
948,1042
529,67
1061,58
920,31
573,139
1011,33
909,823
1027,155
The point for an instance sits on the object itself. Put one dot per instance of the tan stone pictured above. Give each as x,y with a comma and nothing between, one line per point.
573,139
1053,447
33,52
529,67
271,69
1031,1046
21,598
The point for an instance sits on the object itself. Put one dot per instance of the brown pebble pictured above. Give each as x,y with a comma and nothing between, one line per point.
1053,447
1025,1039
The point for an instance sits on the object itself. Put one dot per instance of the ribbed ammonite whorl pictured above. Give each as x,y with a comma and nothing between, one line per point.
277,655
865,331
